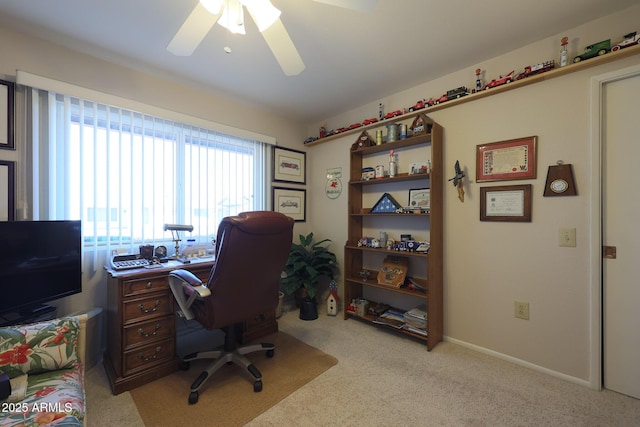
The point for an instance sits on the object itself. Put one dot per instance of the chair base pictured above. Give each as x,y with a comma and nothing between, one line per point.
231,354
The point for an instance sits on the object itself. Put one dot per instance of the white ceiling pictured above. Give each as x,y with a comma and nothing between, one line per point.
352,58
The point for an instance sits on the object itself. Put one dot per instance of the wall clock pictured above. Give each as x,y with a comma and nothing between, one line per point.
560,181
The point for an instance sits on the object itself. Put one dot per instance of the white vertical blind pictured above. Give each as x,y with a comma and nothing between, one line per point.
125,173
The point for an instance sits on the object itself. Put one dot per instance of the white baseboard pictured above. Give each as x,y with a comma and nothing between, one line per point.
520,362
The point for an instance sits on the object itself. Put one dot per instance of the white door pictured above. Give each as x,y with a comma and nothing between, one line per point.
621,229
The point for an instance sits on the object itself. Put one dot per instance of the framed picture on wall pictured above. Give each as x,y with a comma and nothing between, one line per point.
291,202
506,160
289,165
7,187
506,203
7,140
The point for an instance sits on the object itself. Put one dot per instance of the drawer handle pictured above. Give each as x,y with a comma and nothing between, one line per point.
149,285
149,310
149,334
154,356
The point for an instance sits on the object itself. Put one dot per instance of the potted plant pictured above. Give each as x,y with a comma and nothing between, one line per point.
307,263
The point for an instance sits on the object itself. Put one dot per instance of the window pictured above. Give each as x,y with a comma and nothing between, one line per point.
125,174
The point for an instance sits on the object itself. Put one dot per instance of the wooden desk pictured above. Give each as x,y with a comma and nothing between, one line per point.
141,324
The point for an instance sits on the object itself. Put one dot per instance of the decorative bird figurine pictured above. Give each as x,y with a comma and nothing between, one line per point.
457,181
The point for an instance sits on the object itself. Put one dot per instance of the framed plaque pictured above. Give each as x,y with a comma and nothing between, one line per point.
506,160
506,203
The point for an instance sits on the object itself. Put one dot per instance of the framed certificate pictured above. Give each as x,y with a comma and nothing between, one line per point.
506,160
506,203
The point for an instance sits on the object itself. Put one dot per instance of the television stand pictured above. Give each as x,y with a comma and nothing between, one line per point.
32,314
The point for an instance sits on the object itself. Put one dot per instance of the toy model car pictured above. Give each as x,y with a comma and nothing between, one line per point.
596,49
354,126
452,94
629,40
531,70
421,104
392,114
508,78
369,121
311,139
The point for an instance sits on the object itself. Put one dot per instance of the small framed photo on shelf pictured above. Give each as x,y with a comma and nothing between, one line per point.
506,160
420,198
289,165
291,202
506,203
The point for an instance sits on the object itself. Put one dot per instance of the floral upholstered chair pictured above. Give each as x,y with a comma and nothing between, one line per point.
43,363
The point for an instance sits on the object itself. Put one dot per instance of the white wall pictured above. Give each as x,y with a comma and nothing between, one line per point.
36,56
489,265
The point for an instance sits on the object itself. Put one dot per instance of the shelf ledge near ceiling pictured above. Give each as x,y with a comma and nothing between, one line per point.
556,72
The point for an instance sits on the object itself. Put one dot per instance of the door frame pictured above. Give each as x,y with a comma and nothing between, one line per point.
596,327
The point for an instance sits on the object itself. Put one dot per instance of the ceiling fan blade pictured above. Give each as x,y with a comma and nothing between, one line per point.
190,35
360,5
283,49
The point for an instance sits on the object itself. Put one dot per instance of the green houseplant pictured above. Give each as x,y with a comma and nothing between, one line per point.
307,263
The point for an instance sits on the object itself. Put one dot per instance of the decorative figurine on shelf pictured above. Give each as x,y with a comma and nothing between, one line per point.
380,111
393,166
479,83
332,299
457,181
564,56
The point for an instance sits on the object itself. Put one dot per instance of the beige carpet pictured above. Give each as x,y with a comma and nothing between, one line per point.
228,399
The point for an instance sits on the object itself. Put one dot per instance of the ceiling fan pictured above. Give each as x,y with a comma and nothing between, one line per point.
229,14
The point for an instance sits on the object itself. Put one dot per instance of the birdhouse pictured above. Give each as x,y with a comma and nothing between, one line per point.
332,299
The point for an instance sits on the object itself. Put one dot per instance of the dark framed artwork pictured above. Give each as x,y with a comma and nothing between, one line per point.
7,190
289,165
291,202
506,160
506,203
7,137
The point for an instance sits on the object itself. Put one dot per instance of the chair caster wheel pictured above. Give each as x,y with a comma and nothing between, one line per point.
257,386
193,397
184,366
270,353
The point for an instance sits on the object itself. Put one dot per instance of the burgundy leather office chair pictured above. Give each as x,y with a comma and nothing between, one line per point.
251,252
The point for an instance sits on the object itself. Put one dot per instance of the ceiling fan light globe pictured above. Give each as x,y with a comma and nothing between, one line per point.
233,17
263,12
213,6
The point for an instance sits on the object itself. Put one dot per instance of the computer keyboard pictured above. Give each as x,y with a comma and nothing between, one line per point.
123,262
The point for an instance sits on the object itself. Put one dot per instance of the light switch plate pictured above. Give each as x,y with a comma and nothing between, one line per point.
567,237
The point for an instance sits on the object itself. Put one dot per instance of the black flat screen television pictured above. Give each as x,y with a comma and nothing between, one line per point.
40,261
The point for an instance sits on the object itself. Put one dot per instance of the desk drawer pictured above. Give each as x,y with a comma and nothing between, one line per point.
144,286
143,308
148,356
145,332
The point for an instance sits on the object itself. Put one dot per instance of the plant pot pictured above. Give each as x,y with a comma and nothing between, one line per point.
308,309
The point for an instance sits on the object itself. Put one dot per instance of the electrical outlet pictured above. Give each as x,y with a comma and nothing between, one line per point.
567,237
522,310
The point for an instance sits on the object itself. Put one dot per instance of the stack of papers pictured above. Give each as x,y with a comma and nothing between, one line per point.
416,320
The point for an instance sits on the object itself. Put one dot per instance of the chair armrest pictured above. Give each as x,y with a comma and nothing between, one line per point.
186,288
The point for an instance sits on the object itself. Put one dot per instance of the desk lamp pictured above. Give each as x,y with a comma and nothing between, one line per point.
174,228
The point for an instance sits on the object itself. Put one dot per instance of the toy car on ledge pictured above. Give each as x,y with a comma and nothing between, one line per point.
532,70
508,78
369,121
452,94
596,49
392,114
629,40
